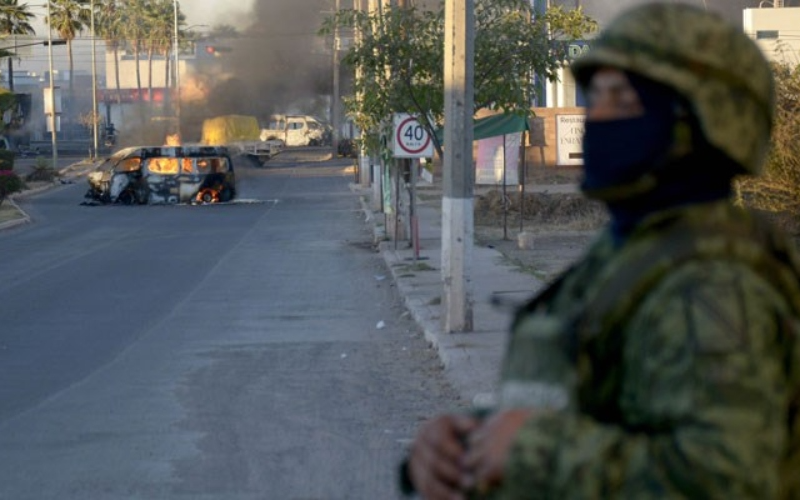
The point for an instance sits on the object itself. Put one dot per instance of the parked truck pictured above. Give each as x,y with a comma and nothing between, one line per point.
241,135
297,130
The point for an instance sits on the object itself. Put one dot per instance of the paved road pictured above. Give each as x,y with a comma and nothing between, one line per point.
246,351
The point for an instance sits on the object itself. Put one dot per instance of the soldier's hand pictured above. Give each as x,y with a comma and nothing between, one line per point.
489,447
436,460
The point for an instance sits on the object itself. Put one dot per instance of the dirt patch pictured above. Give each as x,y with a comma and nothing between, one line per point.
539,211
542,233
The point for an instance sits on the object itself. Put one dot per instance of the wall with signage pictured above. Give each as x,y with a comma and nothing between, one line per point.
542,147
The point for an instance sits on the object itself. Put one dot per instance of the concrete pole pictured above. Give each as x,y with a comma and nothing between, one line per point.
53,114
335,98
364,162
95,115
177,49
458,174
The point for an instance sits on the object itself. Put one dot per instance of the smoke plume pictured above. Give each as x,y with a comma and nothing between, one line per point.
278,64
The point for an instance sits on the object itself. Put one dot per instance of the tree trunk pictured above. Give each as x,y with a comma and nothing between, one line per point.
150,77
138,70
167,98
69,105
11,74
116,80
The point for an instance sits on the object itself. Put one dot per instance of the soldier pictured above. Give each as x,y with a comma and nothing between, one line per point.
666,362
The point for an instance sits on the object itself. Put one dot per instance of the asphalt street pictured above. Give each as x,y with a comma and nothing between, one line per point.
242,351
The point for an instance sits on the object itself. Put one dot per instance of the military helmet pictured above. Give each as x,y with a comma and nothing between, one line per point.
719,70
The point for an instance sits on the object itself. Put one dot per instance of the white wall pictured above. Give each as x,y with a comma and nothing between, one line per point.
761,25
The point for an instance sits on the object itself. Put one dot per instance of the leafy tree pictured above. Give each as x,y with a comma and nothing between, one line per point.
14,20
160,21
399,56
134,31
68,19
109,25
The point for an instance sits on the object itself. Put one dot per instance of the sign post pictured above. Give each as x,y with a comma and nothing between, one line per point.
411,141
410,138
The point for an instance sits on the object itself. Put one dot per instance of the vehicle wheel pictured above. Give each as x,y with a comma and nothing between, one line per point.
127,197
208,195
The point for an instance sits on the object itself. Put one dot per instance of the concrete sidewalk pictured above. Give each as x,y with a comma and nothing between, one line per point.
471,360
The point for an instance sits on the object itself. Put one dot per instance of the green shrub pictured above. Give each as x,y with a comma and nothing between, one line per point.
9,183
42,172
7,159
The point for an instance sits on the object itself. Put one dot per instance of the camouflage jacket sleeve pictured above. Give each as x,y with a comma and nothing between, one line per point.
702,401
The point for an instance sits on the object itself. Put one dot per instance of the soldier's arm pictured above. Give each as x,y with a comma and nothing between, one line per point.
703,402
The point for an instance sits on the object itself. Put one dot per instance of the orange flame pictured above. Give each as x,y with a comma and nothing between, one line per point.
173,140
194,88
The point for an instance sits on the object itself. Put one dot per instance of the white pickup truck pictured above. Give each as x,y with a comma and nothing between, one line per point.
262,151
297,130
240,134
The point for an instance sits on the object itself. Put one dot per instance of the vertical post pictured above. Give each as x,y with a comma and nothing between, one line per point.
95,114
177,75
414,166
335,98
11,67
522,179
458,170
364,162
53,139
505,192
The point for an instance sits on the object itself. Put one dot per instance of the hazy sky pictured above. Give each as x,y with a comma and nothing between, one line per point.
214,12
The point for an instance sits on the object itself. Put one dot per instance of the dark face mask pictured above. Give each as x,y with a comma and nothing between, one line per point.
619,152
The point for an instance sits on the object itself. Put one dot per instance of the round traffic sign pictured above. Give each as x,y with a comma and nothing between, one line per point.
412,137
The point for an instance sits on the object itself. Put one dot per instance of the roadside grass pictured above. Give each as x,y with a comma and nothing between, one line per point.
9,212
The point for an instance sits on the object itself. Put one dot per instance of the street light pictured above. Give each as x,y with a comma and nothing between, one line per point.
53,139
19,46
94,86
177,75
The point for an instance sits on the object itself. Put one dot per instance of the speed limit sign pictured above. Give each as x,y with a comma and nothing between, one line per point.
410,138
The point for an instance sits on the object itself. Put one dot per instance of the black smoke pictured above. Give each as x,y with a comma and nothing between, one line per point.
277,64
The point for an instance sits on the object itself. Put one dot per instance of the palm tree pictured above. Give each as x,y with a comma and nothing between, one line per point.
14,20
68,18
160,22
134,31
108,24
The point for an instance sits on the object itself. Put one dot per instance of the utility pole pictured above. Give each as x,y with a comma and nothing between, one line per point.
53,110
364,162
335,101
95,115
177,74
458,175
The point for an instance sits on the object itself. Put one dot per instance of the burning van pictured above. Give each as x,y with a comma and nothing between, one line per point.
173,174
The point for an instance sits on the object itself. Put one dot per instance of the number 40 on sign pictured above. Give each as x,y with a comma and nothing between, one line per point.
411,139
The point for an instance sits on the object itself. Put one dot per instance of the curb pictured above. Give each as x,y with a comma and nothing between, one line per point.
471,359
24,218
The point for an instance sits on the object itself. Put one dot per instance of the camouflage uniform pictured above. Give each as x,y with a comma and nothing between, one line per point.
681,387
668,366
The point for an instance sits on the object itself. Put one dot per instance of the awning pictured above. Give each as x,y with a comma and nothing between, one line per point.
493,126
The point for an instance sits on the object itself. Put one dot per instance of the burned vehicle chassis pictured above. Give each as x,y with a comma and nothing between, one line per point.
164,175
